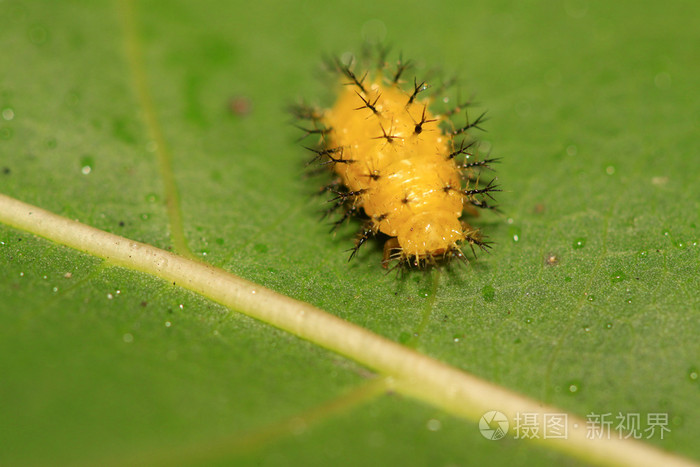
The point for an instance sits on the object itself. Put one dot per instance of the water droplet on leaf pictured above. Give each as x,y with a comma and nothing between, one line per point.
489,293
8,114
515,233
574,387
618,276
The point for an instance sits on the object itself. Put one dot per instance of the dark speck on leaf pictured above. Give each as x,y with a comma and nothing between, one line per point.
240,106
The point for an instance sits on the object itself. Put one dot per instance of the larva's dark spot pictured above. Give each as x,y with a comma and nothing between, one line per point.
374,175
380,142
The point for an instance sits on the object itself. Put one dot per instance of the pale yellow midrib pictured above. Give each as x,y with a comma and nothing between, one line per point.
409,372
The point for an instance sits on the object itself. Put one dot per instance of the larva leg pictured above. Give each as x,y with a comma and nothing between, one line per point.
390,246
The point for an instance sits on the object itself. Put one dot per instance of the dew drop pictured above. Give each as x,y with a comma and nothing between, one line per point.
643,253
373,31
677,421
586,328
8,114
591,298
618,276
72,99
515,233
489,293
608,325
424,292
574,387
662,80
579,243
38,34
693,374
528,320
434,425
168,324
110,296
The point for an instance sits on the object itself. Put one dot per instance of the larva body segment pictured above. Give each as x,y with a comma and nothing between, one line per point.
401,173
408,170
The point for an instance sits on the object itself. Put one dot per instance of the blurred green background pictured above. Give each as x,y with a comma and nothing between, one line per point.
594,109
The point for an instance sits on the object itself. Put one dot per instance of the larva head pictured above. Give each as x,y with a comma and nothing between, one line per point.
430,235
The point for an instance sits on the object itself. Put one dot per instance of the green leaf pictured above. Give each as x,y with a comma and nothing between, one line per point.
589,301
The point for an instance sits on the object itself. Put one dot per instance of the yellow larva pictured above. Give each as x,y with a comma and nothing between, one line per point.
404,168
